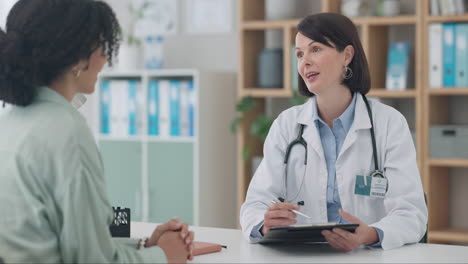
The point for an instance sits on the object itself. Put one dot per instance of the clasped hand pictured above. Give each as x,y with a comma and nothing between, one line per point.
175,239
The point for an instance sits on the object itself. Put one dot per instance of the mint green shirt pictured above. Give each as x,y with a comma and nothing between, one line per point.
53,200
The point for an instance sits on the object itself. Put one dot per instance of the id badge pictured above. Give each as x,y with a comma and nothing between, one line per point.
378,187
370,186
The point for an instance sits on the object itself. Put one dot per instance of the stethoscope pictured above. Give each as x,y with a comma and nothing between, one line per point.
301,141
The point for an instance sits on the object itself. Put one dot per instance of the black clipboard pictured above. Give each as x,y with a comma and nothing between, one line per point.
302,233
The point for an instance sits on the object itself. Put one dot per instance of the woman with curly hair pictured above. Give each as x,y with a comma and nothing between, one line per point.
53,197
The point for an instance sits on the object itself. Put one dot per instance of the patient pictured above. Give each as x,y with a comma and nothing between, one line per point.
53,196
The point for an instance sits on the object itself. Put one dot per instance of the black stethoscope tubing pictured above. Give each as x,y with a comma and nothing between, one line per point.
301,141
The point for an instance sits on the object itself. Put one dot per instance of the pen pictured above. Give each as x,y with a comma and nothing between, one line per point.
294,211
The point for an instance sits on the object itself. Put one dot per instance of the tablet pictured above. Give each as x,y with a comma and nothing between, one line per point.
302,233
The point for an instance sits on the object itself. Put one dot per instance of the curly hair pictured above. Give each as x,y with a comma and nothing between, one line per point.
44,38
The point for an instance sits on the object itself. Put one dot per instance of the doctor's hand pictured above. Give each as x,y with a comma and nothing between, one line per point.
347,241
173,225
279,214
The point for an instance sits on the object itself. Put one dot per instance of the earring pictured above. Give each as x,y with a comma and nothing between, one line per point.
348,73
76,73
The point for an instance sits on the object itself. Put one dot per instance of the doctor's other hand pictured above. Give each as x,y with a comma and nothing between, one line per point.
279,214
347,241
174,247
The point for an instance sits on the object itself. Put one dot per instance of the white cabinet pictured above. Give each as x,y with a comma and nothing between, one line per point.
161,176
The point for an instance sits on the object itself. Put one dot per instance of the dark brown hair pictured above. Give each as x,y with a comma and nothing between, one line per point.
339,30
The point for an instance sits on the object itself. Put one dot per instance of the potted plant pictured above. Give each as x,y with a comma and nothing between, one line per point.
130,50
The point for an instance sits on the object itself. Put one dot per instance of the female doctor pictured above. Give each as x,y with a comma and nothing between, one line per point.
339,157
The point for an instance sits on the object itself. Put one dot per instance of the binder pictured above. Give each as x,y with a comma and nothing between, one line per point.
153,122
121,106
105,106
114,109
132,107
164,108
398,66
461,64
184,108
192,109
449,54
435,55
174,108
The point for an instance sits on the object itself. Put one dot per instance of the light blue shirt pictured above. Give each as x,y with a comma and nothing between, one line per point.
332,141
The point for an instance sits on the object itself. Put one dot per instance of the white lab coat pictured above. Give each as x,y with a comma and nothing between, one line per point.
401,215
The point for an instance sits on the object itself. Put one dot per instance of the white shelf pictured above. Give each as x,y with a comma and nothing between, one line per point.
102,137
120,138
170,139
150,73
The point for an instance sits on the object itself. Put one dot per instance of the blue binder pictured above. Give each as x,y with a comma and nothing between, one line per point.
105,106
174,91
449,54
153,108
397,66
461,44
132,107
191,109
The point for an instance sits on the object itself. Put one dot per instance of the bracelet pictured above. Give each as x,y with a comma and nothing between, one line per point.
146,239
139,243
142,243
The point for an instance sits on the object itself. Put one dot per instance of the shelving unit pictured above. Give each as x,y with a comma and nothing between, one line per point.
438,171
430,107
160,177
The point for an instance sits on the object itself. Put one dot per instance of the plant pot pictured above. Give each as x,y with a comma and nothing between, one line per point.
129,58
270,68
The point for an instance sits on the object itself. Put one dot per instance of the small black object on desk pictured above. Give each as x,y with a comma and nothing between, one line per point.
120,226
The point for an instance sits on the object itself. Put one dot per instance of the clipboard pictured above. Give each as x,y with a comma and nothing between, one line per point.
302,233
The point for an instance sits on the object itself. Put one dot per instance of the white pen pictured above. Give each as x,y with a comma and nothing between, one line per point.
294,211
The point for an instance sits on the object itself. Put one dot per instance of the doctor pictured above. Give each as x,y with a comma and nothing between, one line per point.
319,157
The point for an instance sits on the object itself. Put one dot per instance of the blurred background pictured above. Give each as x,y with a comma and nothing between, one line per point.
181,117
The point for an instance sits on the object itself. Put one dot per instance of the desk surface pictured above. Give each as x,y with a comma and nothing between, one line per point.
240,251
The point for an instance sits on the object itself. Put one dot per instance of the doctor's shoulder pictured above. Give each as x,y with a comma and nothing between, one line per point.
386,116
286,121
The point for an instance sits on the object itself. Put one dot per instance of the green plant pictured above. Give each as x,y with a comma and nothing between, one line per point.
136,13
262,123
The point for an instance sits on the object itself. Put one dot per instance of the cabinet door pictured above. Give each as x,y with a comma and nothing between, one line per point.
171,179
122,166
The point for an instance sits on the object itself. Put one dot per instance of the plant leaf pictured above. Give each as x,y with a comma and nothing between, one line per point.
261,126
246,154
235,123
246,104
297,99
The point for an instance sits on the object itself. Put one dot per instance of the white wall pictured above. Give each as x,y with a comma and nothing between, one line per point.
206,52
5,6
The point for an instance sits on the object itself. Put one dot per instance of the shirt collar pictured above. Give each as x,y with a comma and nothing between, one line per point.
48,94
346,117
